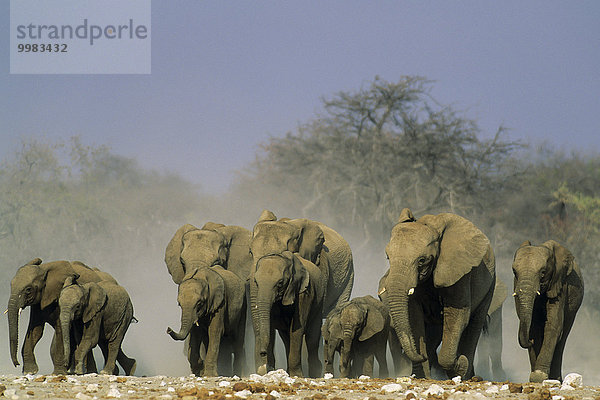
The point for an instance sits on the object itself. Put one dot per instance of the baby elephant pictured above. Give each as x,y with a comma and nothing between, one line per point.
213,313
548,293
106,312
358,330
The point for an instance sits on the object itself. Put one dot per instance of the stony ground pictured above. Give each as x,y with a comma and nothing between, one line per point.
278,385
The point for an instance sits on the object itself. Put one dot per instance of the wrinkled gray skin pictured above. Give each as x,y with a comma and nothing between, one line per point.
489,349
38,285
105,310
402,364
548,293
358,330
309,241
440,285
213,244
213,313
287,294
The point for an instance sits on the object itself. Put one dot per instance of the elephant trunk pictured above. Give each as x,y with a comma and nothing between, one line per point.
65,323
188,318
14,305
345,357
398,306
524,299
264,330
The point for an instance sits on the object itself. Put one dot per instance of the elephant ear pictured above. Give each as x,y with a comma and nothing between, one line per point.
216,291
406,216
212,226
374,324
97,298
299,279
310,240
55,275
267,215
563,265
173,253
500,294
237,241
462,247
35,261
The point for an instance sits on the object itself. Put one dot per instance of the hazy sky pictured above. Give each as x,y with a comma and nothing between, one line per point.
227,75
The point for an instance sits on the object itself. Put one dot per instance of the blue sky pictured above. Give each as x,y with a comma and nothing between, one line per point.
227,75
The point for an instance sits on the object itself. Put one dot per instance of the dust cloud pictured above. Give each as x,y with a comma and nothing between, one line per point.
131,248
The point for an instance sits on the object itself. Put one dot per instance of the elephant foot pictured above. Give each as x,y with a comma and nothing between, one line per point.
131,369
538,376
262,370
462,366
210,371
30,370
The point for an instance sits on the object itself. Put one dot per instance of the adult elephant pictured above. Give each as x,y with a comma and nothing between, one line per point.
38,285
548,293
287,294
213,313
213,244
489,349
312,241
441,267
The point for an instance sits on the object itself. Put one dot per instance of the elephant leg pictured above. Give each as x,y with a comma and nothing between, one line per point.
380,355
495,345
417,322
57,351
103,344
295,352
313,339
110,366
367,364
239,352
552,331
89,339
225,358
433,335
196,364
470,337
455,322
556,365
215,333
128,364
35,330
402,365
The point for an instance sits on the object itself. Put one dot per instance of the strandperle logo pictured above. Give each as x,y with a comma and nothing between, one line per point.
84,31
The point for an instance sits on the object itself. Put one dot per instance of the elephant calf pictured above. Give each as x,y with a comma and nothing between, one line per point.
358,330
548,293
106,312
213,307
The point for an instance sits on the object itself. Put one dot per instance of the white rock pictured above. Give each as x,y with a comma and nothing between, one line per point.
328,376
364,378
289,380
82,396
566,387
20,379
112,378
91,375
573,379
182,379
236,378
551,383
457,379
411,391
434,390
166,397
404,379
92,387
130,391
29,377
113,392
72,380
275,393
243,394
10,392
492,389
391,387
170,389
162,383
504,388
224,384
557,397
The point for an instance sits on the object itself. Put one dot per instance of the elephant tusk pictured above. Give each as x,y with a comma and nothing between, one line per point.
382,291
20,311
197,324
411,291
538,293
5,311
514,294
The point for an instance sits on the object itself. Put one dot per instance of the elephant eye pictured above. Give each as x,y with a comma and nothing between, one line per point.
422,260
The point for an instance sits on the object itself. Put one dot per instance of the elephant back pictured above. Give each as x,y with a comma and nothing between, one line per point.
87,274
337,254
239,260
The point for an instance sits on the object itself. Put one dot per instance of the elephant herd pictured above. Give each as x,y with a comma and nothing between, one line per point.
295,276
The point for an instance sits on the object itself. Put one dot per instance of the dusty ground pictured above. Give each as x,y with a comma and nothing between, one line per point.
278,385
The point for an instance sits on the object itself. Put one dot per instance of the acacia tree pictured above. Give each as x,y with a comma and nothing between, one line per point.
374,151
